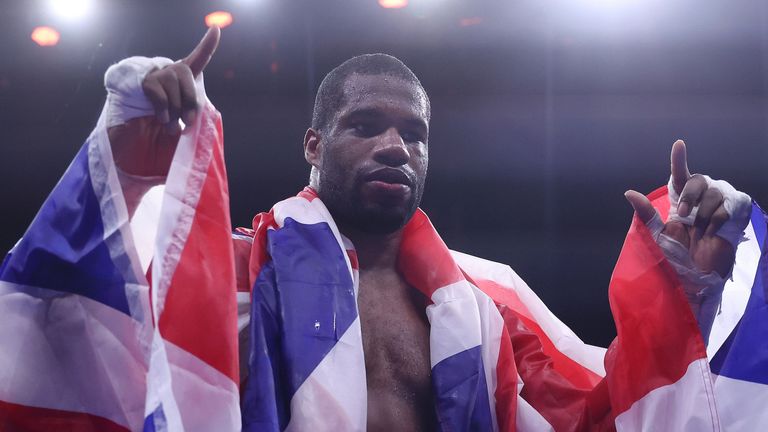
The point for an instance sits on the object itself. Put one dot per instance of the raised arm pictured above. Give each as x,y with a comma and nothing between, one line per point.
706,222
147,97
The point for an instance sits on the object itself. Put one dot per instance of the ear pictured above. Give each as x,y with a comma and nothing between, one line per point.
312,147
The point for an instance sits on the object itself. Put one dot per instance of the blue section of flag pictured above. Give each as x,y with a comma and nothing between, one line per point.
156,422
303,302
744,355
265,406
316,295
461,392
64,247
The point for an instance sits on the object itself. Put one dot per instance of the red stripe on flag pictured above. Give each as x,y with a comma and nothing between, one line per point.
658,336
353,262
424,260
242,250
308,194
200,313
577,374
660,200
262,222
564,406
502,295
506,385
20,418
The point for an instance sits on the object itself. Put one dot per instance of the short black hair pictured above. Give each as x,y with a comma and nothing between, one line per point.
330,95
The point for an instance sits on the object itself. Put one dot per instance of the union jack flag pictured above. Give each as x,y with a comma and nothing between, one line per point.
89,341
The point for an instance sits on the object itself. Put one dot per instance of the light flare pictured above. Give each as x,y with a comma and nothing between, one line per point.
45,36
71,9
220,19
393,4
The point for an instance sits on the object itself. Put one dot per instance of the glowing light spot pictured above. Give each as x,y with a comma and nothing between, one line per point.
218,18
45,36
393,4
71,8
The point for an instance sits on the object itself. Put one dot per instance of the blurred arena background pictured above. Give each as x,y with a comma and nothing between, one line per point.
544,111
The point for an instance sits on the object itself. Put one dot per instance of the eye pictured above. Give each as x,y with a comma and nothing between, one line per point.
411,136
364,129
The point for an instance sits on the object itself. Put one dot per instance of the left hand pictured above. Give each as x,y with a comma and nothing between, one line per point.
708,250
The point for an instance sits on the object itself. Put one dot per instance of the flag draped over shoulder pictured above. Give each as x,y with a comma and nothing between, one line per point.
307,367
490,336
500,359
87,341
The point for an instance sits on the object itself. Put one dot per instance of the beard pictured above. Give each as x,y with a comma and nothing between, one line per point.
341,192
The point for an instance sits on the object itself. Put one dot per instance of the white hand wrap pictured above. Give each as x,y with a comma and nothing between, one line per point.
737,204
125,95
703,290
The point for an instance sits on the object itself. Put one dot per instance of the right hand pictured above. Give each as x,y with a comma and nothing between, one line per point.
144,146
708,248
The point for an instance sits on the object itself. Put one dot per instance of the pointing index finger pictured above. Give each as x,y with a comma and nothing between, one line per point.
679,162
201,55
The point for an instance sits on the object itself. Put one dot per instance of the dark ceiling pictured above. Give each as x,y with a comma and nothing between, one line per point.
544,111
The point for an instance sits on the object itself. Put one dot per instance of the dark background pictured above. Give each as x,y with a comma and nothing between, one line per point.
544,111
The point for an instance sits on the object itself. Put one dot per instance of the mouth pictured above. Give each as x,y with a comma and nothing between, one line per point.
388,186
389,176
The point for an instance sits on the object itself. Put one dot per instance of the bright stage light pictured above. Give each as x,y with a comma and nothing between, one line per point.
218,18
393,4
71,8
45,36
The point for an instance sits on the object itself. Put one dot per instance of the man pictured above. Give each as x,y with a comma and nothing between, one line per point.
368,148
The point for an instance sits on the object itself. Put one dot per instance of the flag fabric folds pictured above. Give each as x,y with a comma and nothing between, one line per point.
89,342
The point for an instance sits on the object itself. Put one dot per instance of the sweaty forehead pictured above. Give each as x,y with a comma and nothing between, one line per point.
383,92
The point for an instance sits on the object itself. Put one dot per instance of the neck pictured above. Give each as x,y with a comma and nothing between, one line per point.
374,251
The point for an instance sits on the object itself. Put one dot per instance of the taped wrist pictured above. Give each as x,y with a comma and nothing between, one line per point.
125,95
703,291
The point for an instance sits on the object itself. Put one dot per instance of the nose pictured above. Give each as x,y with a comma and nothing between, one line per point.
390,149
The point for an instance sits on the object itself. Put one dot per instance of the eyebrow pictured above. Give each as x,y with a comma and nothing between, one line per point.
376,112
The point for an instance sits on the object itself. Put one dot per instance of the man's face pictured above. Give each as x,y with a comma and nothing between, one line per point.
373,158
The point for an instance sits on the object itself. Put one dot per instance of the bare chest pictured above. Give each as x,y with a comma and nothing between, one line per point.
396,346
